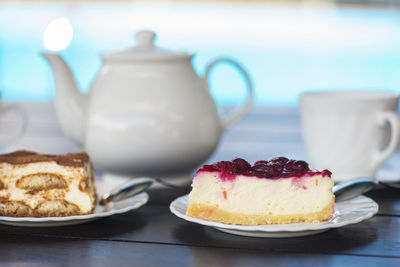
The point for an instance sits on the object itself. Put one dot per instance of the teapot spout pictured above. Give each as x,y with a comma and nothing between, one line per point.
70,105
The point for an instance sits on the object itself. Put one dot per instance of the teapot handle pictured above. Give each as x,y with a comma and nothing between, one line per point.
238,112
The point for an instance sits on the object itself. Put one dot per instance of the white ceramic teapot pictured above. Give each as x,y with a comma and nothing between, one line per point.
147,112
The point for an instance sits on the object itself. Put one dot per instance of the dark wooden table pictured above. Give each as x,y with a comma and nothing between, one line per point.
152,236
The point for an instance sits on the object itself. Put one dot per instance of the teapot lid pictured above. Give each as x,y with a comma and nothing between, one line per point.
145,50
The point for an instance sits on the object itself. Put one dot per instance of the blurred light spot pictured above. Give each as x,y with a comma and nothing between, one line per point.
58,34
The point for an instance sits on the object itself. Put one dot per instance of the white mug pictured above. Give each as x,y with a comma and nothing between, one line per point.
350,133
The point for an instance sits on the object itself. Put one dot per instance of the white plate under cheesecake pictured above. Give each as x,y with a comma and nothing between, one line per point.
271,198
346,212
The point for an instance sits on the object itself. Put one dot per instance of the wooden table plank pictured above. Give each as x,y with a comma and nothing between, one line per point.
388,200
46,251
377,236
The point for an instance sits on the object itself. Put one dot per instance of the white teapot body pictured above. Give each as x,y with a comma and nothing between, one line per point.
144,115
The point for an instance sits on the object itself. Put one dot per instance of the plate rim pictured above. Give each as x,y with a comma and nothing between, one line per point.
268,228
141,199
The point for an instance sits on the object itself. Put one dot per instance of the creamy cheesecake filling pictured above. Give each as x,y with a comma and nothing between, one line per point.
253,195
268,192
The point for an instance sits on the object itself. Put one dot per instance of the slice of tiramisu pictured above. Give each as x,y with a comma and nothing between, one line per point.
269,192
40,185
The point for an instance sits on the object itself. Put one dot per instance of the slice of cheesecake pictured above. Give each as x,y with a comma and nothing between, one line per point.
269,192
40,185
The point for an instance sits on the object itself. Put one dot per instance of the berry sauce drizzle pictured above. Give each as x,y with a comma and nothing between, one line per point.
275,168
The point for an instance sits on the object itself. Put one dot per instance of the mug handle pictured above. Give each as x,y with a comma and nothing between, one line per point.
394,121
238,112
22,125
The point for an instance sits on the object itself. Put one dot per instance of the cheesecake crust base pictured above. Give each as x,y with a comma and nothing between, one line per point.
210,213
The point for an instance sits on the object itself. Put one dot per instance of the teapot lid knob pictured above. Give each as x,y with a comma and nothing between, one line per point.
145,49
145,38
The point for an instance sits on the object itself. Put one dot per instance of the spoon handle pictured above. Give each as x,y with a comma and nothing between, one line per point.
353,188
133,187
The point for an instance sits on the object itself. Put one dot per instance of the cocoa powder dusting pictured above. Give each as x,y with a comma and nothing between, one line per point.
25,157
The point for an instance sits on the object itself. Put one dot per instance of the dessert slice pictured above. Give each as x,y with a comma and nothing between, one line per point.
39,185
269,192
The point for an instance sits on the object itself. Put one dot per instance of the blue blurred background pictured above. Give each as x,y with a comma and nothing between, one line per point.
287,48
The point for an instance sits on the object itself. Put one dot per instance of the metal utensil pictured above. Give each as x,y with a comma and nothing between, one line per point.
353,188
132,188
